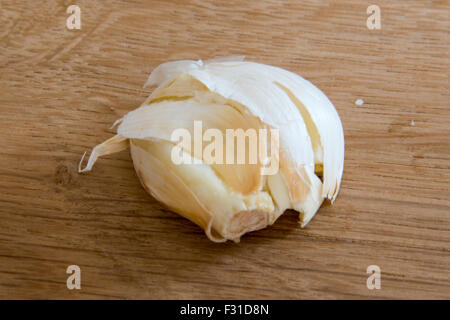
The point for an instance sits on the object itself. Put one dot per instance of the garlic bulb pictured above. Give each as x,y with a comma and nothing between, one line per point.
225,198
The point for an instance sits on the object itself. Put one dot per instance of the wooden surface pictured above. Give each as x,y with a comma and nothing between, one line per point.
60,91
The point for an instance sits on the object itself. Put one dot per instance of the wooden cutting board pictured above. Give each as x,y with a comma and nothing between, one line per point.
61,89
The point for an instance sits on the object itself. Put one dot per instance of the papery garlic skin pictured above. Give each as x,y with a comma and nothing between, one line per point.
229,200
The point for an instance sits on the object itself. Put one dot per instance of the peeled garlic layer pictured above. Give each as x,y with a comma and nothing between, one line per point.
228,200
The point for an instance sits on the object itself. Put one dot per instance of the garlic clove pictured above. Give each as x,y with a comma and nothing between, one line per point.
228,200
157,121
253,93
196,192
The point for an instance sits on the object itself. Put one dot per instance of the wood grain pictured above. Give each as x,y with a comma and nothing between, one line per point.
60,91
